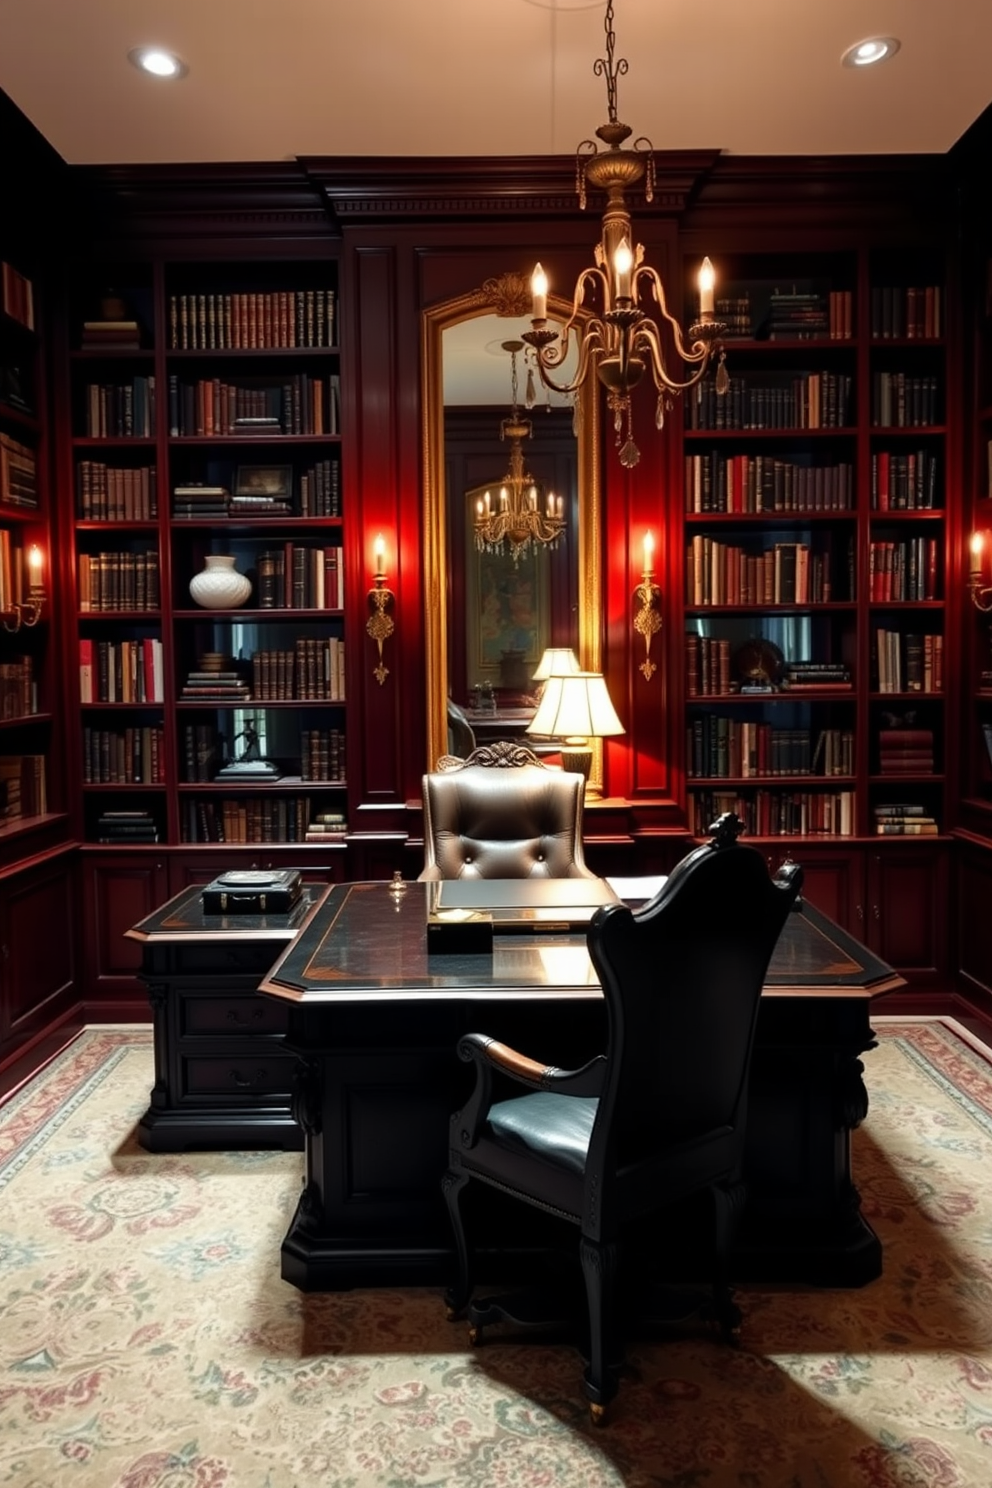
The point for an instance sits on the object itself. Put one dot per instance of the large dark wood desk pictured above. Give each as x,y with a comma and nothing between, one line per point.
375,1023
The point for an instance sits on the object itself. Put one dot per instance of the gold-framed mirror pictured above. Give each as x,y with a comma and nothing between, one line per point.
499,303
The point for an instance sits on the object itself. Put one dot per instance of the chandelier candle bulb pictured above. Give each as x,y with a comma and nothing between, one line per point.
380,557
539,290
623,262
648,554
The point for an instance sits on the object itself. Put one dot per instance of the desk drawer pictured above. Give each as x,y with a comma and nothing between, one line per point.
248,1015
241,1076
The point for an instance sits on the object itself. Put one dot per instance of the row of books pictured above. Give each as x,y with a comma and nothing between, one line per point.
902,401
762,483
707,666
322,755
116,493
904,482
300,404
18,688
787,573
265,319
121,671
23,786
771,813
222,686
906,311
131,827
905,751
816,676
731,748
18,473
119,581
327,826
130,756
902,571
802,316
282,818
120,410
907,661
313,671
806,400
17,294
300,576
904,819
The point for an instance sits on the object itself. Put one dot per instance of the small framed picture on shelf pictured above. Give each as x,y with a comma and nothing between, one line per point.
272,481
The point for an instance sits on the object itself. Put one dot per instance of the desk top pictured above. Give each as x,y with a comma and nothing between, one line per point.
368,943
182,920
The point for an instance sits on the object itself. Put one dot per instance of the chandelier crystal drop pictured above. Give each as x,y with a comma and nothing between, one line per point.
519,515
619,340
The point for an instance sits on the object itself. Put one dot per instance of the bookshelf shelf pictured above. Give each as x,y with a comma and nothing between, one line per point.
237,419
814,541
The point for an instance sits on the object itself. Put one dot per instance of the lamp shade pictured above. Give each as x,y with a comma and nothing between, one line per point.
557,661
576,706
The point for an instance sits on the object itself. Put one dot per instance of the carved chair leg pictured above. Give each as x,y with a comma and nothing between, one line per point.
599,1269
457,1295
728,1205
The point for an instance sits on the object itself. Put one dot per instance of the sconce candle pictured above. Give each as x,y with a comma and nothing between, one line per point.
35,571
380,624
647,598
980,591
539,292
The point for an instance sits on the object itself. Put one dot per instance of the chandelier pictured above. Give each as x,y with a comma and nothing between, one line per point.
517,518
620,340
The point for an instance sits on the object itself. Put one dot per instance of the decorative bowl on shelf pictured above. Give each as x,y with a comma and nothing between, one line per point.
218,585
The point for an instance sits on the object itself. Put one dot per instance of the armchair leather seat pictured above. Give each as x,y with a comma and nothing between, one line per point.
501,813
556,1127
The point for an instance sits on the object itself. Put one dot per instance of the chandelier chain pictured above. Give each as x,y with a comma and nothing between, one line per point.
604,66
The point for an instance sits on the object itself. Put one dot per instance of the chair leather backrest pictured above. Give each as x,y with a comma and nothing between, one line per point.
682,979
503,820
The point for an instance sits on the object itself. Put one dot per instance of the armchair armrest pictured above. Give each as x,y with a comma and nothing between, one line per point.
491,1058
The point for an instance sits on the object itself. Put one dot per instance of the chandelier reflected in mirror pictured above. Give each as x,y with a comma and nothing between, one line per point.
520,514
619,340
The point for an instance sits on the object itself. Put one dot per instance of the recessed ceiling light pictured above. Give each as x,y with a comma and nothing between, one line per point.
874,49
157,61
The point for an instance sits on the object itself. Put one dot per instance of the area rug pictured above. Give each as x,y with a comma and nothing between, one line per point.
147,1341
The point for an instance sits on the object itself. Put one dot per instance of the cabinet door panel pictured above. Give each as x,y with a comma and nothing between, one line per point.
117,894
907,893
38,964
833,881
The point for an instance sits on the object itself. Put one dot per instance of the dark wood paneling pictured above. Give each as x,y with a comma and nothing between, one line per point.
117,893
38,970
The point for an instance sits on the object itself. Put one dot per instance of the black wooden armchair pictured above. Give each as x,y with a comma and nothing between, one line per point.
657,1118
501,813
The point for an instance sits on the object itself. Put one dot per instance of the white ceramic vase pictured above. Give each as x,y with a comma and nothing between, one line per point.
219,586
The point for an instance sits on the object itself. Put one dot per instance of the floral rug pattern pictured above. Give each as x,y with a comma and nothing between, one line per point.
147,1341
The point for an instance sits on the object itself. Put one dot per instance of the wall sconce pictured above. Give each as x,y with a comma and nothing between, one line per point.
380,624
981,593
27,612
647,598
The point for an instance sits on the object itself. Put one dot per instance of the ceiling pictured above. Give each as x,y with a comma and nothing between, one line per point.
273,79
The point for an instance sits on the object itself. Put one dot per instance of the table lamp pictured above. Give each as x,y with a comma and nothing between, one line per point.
576,708
557,661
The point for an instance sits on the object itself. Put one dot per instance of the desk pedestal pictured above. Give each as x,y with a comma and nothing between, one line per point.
378,1087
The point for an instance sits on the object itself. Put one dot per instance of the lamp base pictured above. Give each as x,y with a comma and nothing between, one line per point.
578,760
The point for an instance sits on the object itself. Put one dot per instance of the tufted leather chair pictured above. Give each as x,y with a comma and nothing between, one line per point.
501,813
655,1120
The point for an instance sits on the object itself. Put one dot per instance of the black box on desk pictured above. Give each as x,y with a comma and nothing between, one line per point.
253,891
460,933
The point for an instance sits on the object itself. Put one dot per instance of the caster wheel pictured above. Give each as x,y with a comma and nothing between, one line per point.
597,1414
474,1335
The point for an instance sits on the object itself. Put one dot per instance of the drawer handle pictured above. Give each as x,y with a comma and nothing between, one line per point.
234,1016
240,1083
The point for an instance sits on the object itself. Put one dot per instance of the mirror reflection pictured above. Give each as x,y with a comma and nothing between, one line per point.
494,607
511,513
